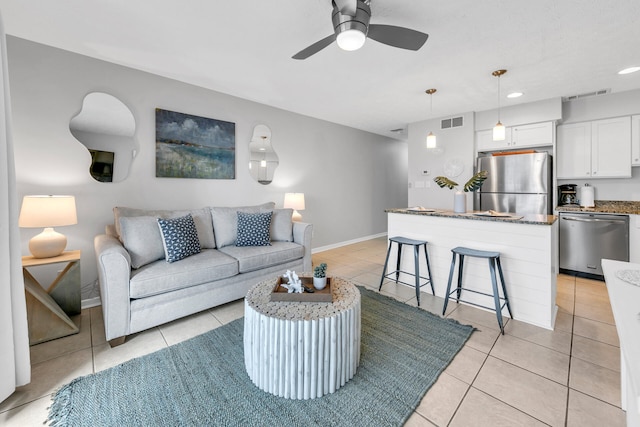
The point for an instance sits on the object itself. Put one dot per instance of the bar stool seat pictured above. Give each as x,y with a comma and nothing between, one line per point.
494,261
399,240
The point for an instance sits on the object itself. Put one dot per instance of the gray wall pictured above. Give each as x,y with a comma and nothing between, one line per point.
348,176
453,144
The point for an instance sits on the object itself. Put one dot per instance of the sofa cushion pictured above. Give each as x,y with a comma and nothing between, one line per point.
160,277
179,237
225,221
141,237
254,229
252,258
282,225
201,217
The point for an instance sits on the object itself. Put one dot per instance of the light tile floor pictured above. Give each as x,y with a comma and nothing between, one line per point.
529,376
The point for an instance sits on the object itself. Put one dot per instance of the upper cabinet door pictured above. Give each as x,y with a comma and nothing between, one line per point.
535,135
573,147
635,140
485,142
611,148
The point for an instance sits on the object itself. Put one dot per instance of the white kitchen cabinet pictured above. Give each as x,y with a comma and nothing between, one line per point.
597,149
485,142
524,136
535,135
635,142
573,151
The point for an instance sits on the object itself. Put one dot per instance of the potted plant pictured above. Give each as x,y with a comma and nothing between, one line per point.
460,199
320,276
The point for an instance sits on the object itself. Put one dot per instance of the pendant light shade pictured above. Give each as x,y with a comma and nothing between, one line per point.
498,130
431,138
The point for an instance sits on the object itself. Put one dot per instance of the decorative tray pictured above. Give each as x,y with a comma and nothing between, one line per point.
281,293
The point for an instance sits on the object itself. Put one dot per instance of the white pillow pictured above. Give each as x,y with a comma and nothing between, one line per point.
282,225
201,217
142,239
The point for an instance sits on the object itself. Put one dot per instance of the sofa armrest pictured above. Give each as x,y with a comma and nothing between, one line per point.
114,273
302,233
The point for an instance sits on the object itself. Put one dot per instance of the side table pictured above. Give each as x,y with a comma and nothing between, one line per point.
48,309
302,350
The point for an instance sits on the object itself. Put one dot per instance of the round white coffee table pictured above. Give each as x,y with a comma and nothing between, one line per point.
302,350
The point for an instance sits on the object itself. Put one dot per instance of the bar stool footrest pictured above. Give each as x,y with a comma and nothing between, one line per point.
386,276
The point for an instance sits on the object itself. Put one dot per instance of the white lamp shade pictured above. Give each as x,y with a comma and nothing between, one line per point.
47,211
294,201
351,39
499,132
431,140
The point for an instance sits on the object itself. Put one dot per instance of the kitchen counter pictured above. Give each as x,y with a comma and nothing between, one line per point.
519,218
528,249
606,206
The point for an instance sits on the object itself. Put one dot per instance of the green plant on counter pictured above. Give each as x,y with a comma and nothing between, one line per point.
473,184
320,270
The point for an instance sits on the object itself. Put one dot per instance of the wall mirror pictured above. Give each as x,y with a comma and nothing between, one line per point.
106,126
264,160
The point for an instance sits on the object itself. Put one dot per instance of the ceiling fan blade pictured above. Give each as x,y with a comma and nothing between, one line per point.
347,7
401,37
315,48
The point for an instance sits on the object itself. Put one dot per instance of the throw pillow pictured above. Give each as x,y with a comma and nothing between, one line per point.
179,237
225,221
282,225
202,218
141,238
253,229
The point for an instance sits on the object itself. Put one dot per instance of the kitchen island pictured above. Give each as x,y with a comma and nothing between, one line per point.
527,244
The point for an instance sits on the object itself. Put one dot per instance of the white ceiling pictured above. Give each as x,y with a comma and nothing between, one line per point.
551,48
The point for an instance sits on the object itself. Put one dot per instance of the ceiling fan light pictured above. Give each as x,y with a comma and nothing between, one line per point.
499,132
351,39
431,140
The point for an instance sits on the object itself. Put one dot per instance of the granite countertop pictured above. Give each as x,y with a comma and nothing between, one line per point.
514,218
606,206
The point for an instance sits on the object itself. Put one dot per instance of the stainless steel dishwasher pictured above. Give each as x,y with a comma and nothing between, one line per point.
587,238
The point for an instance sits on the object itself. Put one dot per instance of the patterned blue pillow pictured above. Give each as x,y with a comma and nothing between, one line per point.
253,229
179,237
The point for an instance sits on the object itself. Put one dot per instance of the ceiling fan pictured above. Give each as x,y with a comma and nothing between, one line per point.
351,28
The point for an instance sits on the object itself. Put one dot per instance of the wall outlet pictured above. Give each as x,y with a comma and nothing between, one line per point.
426,172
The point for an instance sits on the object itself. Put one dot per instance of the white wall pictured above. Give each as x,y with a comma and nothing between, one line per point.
453,144
604,107
348,176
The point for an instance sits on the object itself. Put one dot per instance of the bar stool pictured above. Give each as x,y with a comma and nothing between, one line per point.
416,250
494,259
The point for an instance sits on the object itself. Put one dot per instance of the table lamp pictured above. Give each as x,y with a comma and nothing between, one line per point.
47,212
294,201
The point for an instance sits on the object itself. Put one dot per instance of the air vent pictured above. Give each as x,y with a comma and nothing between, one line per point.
453,122
586,95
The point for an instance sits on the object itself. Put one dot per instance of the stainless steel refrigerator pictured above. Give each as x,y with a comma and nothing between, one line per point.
518,183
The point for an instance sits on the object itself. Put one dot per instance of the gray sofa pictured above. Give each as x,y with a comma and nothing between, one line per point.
140,289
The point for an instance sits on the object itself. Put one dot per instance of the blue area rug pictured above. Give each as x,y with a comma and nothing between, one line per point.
203,382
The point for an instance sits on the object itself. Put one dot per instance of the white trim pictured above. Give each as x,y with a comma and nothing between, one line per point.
91,302
348,242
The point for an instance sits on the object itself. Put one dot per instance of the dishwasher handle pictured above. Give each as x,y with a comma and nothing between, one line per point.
611,221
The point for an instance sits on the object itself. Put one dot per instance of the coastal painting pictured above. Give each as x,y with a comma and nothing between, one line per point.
194,147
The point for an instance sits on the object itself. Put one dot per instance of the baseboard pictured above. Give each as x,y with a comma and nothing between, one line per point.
348,242
91,302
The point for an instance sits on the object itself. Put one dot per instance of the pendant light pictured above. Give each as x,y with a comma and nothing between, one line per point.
431,138
498,129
